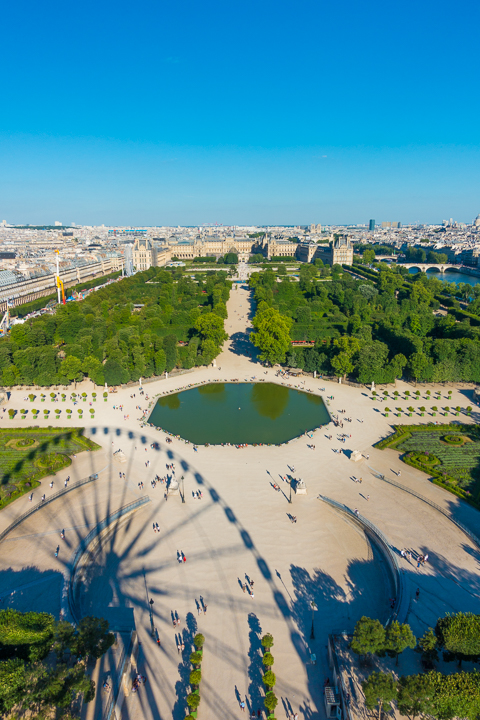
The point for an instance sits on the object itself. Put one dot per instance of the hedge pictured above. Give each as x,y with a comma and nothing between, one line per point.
404,432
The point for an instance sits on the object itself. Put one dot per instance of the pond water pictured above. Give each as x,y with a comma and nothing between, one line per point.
239,413
450,276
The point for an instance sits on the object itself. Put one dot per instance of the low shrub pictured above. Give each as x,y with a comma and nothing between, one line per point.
454,439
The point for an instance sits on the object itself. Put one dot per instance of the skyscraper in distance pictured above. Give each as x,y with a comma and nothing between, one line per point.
371,225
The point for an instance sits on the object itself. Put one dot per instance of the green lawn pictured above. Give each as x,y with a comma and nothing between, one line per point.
457,468
29,454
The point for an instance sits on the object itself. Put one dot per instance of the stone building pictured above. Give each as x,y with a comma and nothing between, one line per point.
341,251
146,254
338,252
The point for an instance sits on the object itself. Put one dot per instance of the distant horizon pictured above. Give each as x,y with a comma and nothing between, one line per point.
205,226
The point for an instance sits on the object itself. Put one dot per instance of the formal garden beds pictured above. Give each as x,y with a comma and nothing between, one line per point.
450,454
29,454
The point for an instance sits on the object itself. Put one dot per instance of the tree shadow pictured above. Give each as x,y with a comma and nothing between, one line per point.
255,663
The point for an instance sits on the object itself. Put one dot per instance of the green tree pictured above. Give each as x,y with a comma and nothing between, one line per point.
398,638
427,645
459,635
267,641
270,701
271,334
368,636
397,365
380,689
160,361
30,628
195,677
92,367
269,679
12,684
456,695
231,258
193,701
414,695
199,641
371,362
93,638
417,364
342,364
196,658
171,352
368,256
268,659
115,373
71,369
210,327
44,689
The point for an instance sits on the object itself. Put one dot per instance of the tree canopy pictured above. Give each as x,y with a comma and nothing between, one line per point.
29,684
127,330
271,334
388,317
368,636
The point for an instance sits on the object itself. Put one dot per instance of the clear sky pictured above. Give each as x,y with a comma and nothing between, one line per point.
259,111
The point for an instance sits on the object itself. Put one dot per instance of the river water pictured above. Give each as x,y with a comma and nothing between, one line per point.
450,276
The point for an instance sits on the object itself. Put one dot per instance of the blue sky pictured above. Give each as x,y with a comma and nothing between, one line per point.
239,112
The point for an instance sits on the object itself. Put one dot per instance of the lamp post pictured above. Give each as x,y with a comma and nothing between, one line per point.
183,488
313,605
151,617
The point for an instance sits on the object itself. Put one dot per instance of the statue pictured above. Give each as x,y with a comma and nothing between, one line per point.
300,487
173,488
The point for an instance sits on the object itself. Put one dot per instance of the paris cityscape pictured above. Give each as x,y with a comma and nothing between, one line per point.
239,362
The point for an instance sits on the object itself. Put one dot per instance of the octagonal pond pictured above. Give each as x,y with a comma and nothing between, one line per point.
239,413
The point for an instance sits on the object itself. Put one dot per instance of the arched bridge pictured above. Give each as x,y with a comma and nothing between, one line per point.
441,267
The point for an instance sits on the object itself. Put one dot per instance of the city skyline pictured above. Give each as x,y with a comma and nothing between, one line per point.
274,114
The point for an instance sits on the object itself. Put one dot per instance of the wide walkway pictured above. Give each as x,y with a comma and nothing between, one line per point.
241,531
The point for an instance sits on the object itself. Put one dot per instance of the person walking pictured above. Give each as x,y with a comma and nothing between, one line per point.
242,705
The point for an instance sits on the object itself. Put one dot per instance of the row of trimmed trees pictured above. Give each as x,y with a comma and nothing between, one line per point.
193,699
73,396
46,412
269,679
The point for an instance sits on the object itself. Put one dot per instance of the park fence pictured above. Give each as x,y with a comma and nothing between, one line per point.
47,501
401,597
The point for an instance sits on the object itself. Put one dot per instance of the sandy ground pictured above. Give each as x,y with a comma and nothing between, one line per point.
239,530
